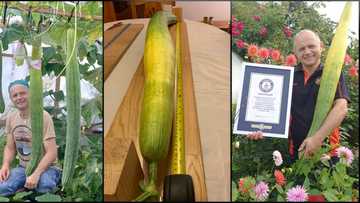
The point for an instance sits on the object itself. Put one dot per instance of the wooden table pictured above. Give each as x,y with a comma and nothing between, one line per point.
210,60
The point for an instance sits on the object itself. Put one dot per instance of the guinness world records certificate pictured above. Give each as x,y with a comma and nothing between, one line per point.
264,100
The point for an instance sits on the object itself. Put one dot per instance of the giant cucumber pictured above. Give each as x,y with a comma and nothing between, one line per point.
332,70
73,97
36,108
158,99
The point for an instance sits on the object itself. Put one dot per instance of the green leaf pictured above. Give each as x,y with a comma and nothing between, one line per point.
280,198
4,199
330,195
82,48
314,191
306,183
48,197
279,188
21,195
234,191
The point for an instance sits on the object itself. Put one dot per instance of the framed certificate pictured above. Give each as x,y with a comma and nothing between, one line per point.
264,100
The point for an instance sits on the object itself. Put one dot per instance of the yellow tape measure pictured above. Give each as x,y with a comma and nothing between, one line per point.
178,142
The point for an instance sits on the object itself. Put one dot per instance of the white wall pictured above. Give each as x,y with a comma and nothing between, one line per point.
196,10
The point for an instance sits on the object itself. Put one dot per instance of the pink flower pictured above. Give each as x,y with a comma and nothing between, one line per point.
297,194
348,59
275,54
261,191
240,44
290,60
264,53
252,50
263,31
235,32
240,26
277,158
353,72
279,177
287,31
346,154
256,18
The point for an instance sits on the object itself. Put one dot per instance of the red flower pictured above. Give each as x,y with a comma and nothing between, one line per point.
252,50
353,72
263,31
233,18
279,177
242,188
240,44
264,53
348,59
290,60
256,18
316,198
287,31
275,54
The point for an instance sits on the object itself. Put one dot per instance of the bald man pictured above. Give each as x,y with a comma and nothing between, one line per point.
307,75
47,175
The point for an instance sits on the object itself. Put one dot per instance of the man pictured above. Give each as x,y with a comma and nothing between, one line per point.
18,131
307,75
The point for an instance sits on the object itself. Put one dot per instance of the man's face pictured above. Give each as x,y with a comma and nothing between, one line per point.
19,96
307,49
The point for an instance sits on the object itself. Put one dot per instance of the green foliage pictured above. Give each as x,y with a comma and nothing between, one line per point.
48,198
50,28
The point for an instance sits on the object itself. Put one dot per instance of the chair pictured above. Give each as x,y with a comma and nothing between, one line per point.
146,8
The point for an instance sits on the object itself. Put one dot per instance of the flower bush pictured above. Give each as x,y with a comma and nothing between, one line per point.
308,179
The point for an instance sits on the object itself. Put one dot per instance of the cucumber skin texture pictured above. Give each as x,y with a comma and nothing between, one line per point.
36,111
73,96
158,99
332,70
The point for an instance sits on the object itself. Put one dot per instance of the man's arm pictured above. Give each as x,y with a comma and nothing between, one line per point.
9,154
48,158
336,115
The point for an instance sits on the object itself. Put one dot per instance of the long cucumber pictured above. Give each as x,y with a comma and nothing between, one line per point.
332,70
36,108
158,99
73,96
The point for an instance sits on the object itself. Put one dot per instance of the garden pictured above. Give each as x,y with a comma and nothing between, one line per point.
44,26
262,32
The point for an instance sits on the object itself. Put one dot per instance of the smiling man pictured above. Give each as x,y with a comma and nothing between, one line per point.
307,76
18,131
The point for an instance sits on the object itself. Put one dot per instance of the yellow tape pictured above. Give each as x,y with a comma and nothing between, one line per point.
178,142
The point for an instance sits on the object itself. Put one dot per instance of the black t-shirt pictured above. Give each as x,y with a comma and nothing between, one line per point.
304,96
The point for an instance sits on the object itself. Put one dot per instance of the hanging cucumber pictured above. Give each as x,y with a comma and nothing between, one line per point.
73,97
36,107
2,104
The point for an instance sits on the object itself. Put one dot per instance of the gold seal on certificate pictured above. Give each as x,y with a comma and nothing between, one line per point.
264,100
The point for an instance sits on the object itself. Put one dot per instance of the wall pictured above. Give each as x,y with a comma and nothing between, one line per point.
196,10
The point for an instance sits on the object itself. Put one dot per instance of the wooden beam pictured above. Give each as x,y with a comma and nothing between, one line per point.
51,11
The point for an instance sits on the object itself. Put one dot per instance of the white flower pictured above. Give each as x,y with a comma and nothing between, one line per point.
277,158
237,144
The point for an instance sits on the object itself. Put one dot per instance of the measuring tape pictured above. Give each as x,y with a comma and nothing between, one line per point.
178,142
178,186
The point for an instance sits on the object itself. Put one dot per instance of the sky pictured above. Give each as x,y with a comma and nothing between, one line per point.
333,10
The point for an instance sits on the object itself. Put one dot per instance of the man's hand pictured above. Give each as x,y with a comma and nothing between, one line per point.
32,181
258,135
310,145
4,173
